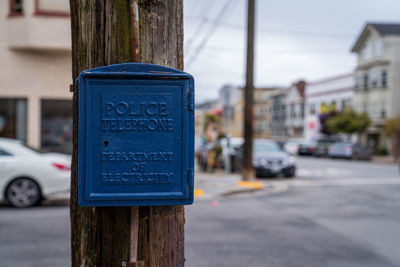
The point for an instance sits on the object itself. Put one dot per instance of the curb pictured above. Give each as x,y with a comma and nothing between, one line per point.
239,191
242,188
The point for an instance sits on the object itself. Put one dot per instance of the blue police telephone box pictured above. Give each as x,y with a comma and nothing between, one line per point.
135,136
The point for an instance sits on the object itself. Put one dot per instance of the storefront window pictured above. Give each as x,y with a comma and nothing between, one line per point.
56,132
52,7
13,118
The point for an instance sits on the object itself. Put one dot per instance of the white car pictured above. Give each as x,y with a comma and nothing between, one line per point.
28,176
292,146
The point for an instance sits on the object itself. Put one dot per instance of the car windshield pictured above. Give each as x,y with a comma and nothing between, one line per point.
324,143
341,145
264,147
308,143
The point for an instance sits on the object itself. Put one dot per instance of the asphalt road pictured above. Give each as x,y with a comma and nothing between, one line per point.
320,168
335,213
35,237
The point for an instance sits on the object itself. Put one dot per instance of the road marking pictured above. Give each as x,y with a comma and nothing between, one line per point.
333,172
250,184
198,192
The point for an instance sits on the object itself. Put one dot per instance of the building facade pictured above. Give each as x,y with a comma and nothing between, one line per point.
294,108
228,96
203,127
278,128
324,96
377,77
236,126
261,114
35,102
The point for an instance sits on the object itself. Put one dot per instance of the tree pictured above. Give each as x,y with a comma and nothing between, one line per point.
391,129
348,122
210,119
105,32
323,119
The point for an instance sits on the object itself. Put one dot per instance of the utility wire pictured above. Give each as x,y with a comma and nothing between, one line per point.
282,31
224,48
211,30
200,25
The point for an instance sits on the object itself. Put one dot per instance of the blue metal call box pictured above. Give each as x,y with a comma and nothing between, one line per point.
135,136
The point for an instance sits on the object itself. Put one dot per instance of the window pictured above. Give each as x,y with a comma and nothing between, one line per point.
365,81
283,112
302,110
13,118
383,109
363,54
312,108
374,79
292,111
383,114
384,79
52,7
4,153
378,49
366,52
346,103
56,134
357,82
16,8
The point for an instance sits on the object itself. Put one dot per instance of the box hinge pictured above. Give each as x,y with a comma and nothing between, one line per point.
190,101
190,177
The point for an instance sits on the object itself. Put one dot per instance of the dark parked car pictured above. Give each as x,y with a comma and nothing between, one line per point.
322,146
269,159
306,148
349,151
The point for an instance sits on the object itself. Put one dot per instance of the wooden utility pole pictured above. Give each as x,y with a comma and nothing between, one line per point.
247,165
104,32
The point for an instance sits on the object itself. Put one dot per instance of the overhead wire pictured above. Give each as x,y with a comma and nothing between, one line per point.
275,50
202,22
261,29
221,15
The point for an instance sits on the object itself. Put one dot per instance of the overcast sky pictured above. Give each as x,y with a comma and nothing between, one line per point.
295,39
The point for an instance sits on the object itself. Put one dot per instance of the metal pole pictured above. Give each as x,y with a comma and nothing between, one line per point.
134,232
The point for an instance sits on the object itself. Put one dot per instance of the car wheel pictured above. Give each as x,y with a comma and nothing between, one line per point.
23,193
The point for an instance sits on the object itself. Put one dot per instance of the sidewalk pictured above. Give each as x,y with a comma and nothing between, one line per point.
219,184
384,160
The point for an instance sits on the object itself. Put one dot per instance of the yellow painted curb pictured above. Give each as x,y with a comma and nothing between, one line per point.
250,184
198,192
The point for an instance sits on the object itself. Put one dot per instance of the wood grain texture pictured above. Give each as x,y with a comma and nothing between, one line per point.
102,34
161,239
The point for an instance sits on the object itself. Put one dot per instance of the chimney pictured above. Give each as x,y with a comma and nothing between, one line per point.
301,88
